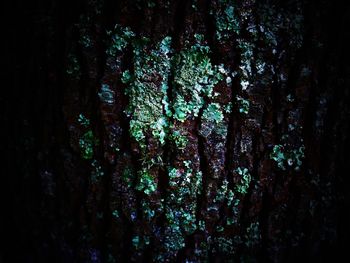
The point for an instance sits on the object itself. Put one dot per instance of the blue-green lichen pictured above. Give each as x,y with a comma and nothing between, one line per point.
83,120
244,181
225,20
285,157
115,214
213,113
243,105
120,38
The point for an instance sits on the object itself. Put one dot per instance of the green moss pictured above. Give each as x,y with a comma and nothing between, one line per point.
86,146
128,176
195,78
147,87
87,143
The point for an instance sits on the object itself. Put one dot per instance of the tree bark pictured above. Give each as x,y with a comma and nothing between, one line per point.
176,131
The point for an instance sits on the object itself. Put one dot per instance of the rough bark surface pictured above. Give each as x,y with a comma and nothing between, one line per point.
176,131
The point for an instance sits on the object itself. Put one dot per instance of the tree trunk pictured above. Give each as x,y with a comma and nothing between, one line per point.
176,131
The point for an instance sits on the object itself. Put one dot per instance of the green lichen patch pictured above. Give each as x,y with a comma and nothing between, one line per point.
285,157
185,185
178,138
244,180
147,91
195,78
147,183
213,113
225,19
83,120
87,141
243,105
212,120
128,176
120,37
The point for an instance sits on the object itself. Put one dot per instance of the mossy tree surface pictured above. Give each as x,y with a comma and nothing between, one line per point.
192,131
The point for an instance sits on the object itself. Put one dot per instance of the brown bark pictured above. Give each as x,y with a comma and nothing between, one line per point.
66,204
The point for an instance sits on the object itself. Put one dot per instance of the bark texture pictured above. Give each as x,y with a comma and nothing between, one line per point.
176,131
